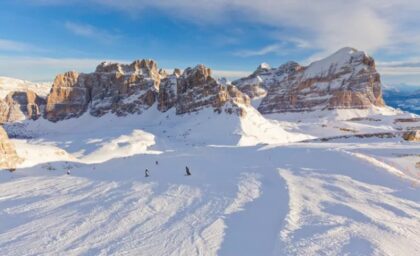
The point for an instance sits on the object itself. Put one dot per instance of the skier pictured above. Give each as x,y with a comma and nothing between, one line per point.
68,172
156,162
187,170
146,173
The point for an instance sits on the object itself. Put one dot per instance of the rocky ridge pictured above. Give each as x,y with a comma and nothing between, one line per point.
128,89
346,79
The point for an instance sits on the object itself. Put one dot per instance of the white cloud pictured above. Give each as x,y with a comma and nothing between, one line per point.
43,69
326,24
269,49
86,30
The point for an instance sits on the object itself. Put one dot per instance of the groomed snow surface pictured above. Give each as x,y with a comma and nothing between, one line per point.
255,189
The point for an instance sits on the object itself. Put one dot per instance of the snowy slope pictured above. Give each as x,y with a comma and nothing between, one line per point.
255,189
108,137
286,200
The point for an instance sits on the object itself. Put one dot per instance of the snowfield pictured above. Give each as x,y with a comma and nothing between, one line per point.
259,186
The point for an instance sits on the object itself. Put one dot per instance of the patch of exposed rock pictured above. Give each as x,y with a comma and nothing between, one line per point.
412,135
168,91
346,79
69,97
21,105
113,87
123,89
8,157
197,89
128,89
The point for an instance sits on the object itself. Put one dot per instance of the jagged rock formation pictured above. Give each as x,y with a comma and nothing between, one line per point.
168,91
123,89
69,97
113,87
21,105
127,89
196,89
346,79
8,157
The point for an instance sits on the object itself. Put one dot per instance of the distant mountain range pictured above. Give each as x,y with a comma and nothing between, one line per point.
403,97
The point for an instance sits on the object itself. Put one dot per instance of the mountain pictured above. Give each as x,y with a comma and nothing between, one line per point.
128,89
339,179
345,80
406,98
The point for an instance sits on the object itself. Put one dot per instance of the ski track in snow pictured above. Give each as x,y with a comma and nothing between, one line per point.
322,210
348,197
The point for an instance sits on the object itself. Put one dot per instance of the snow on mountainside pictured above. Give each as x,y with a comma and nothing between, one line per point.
8,85
345,80
348,196
339,179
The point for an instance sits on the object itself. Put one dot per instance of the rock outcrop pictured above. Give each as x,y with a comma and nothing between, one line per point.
168,92
123,89
116,88
346,79
69,97
8,157
412,135
197,89
21,105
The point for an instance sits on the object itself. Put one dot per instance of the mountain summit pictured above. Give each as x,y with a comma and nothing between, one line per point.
346,79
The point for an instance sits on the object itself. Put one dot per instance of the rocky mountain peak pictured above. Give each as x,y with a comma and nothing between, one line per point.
263,67
345,79
197,89
177,72
199,73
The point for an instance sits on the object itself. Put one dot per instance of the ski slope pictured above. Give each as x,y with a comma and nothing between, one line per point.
268,196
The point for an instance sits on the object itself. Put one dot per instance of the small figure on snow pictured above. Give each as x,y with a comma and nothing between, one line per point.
146,173
156,162
68,172
187,170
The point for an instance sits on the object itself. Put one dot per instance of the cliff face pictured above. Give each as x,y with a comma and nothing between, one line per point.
128,89
197,89
69,97
123,89
8,156
346,79
116,88
21,105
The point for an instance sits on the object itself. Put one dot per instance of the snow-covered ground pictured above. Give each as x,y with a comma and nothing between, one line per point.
250,193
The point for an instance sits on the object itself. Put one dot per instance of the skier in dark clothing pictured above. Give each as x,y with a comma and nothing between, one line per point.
187,170
146,173
156,162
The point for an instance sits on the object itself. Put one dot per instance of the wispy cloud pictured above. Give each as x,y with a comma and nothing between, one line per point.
44,69
328,25
269,49
89,31
15,46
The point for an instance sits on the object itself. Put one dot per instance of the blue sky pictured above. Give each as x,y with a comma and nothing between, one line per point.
40,38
